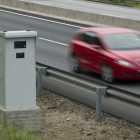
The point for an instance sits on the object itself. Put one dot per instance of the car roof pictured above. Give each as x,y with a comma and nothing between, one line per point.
108,30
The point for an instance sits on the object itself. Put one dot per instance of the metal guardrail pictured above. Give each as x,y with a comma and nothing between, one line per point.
95,87
125,96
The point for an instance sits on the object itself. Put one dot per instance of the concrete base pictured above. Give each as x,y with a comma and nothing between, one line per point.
25,119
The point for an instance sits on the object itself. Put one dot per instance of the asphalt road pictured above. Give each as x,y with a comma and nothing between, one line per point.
52,42
93,7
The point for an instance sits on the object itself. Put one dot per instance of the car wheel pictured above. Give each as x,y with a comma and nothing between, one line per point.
107,74
74,65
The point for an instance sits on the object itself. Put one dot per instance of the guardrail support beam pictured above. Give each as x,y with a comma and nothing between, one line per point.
124,2
99,93
41,70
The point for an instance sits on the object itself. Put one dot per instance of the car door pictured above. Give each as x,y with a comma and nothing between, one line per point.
95,54
89,54
84,50
81,48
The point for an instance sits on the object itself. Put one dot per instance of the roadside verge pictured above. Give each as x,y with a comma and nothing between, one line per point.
70,15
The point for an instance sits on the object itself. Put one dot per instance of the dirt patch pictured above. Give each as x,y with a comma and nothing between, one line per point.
64,119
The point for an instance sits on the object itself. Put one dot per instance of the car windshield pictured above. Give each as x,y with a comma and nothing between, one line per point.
123,41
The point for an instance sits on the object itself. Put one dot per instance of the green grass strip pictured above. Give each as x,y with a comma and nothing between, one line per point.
8,132
131,3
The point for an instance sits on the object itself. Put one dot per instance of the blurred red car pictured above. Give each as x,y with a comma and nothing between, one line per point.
111,52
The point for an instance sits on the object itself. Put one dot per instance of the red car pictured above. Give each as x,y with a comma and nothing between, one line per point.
111,52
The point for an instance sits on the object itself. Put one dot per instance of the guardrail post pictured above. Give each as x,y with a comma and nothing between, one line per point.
124,2
41,70
99,92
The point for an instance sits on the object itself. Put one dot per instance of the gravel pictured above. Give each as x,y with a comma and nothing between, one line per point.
65,119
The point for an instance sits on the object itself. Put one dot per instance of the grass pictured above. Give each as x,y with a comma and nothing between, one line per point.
8,132
132,3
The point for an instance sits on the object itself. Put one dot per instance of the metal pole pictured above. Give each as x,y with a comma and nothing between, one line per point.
124,2
39,83
99,92
41,70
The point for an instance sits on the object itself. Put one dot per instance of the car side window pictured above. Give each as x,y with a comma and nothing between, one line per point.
85,38
91,38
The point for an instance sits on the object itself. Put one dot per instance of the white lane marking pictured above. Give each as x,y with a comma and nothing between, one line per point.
26,0
48,4
37,2
102,14
42,19
45,3
89,3
53,41
112,15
